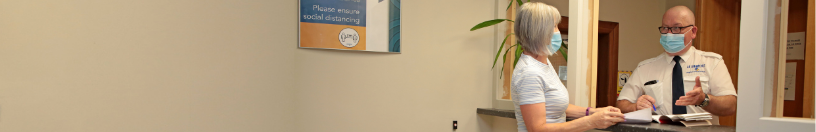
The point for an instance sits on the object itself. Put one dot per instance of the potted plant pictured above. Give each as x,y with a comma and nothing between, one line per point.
518,49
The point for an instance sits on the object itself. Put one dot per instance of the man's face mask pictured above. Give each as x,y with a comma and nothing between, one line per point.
673,43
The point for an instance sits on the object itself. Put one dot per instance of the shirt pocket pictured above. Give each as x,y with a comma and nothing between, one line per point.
689,82
656,91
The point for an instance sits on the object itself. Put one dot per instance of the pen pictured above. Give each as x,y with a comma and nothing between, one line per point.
653,107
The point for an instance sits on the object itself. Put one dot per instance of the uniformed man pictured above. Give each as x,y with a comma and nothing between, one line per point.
683,80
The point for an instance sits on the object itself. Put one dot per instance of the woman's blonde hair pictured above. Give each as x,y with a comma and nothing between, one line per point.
534,25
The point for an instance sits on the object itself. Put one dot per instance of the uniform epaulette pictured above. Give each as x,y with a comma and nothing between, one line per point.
647,61
711,54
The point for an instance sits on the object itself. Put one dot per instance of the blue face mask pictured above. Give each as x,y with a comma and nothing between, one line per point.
673,43
555,42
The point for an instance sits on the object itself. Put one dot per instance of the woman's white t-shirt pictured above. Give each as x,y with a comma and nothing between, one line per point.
535,82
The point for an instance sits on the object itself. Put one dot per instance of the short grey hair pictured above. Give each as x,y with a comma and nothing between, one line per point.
534,26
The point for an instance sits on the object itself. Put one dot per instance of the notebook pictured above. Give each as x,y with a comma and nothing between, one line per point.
689,120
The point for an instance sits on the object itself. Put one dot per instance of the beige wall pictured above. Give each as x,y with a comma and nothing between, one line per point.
185,65
443,74
233,66
145,66
118,66
687,3
639,37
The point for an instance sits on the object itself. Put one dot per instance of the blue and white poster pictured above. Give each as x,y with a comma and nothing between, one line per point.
367,25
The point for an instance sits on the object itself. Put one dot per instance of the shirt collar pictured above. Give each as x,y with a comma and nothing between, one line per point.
530,61
684,56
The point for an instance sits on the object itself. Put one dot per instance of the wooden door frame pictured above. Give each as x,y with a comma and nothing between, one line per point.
607,90
606,87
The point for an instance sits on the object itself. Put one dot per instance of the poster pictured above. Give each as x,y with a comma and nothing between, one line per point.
363,25
796,46
790,81
623,77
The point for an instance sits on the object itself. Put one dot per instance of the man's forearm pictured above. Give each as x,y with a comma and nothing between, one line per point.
625,106
722,105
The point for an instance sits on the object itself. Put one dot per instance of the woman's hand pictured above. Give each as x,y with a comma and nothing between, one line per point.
605,117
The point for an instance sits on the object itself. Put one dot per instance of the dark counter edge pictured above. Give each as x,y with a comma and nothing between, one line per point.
614,128
497,112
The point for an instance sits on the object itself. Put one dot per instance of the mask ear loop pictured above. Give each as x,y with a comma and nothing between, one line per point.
689,43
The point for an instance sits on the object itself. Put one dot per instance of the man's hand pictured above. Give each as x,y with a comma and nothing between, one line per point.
693,97
645,102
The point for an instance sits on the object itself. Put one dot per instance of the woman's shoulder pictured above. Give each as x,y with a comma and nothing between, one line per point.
528,73
529,70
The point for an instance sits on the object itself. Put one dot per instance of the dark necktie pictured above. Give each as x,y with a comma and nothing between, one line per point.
677,87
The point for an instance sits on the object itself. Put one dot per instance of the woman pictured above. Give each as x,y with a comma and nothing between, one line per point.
540,100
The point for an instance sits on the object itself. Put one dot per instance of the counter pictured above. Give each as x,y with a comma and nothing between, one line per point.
650,127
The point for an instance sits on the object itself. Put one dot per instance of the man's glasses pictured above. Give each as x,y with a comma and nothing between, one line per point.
674,30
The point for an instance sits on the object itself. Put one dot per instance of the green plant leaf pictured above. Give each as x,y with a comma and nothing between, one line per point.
564,45
509,5
499,51
519,49
563,53
519,2
488,23
504,59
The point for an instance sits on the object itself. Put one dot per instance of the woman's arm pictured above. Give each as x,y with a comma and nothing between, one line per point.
574,111
535,118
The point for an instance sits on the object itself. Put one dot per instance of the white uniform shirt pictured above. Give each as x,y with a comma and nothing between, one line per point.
714,79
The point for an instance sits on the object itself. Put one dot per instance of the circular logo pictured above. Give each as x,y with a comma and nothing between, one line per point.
349,37
622,79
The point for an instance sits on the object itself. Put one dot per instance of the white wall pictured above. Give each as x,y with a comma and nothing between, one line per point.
186,65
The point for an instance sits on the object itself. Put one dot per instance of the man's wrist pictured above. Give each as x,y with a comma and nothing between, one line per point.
705,101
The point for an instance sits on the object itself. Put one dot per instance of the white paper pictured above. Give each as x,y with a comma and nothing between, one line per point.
640,116
562,72
790,81
796,46
696,116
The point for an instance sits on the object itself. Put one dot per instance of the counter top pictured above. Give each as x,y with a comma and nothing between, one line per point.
657,127
649,127
497,112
